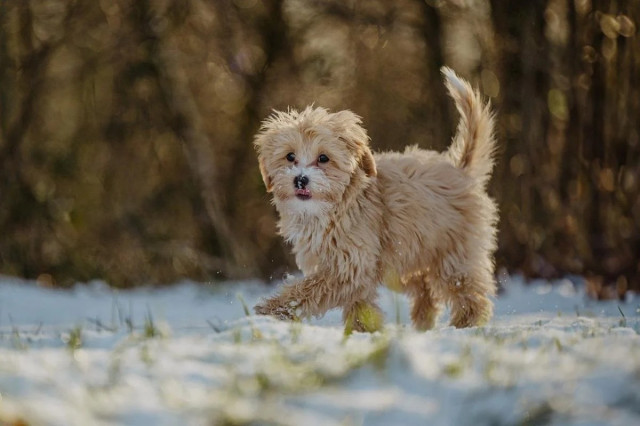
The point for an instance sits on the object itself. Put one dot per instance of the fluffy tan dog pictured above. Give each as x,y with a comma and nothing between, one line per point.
419,221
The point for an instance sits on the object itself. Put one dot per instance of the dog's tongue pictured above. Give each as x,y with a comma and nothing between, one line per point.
303,191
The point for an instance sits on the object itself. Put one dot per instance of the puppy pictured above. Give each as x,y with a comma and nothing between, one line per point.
418,221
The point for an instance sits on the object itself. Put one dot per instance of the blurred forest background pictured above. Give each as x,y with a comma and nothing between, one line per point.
126,126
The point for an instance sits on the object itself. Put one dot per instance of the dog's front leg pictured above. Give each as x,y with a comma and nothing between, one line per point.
363,315
277,306
312,295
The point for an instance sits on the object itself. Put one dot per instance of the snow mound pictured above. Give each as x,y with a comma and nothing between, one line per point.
189,354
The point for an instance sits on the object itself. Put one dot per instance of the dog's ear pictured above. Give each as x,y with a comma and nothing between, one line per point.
368,163
352,132
268,183
259,141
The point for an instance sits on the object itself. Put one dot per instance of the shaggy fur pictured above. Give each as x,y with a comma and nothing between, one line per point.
419,221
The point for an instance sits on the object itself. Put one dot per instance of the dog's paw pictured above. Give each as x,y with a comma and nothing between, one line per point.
273,308
363,317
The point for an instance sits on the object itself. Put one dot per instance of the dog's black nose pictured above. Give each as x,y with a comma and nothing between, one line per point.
300,181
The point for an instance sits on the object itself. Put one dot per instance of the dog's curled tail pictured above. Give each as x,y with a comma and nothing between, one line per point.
474,144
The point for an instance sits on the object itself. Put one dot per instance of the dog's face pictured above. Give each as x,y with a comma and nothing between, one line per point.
309,159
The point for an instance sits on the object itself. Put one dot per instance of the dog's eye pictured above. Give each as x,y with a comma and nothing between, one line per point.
291,157
323,159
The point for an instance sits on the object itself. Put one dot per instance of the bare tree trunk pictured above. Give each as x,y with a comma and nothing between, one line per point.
238,255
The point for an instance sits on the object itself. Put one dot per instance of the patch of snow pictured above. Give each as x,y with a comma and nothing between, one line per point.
188,354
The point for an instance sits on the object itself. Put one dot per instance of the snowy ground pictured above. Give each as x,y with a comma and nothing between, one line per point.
189,354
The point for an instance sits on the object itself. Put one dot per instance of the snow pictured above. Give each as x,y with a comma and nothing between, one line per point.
188,354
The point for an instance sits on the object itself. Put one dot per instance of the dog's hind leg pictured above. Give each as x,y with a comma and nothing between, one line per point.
425,305
467,296
463,278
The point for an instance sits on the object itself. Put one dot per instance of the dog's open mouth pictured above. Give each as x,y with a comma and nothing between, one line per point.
303,194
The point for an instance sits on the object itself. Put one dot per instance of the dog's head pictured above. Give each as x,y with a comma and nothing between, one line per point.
309,158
